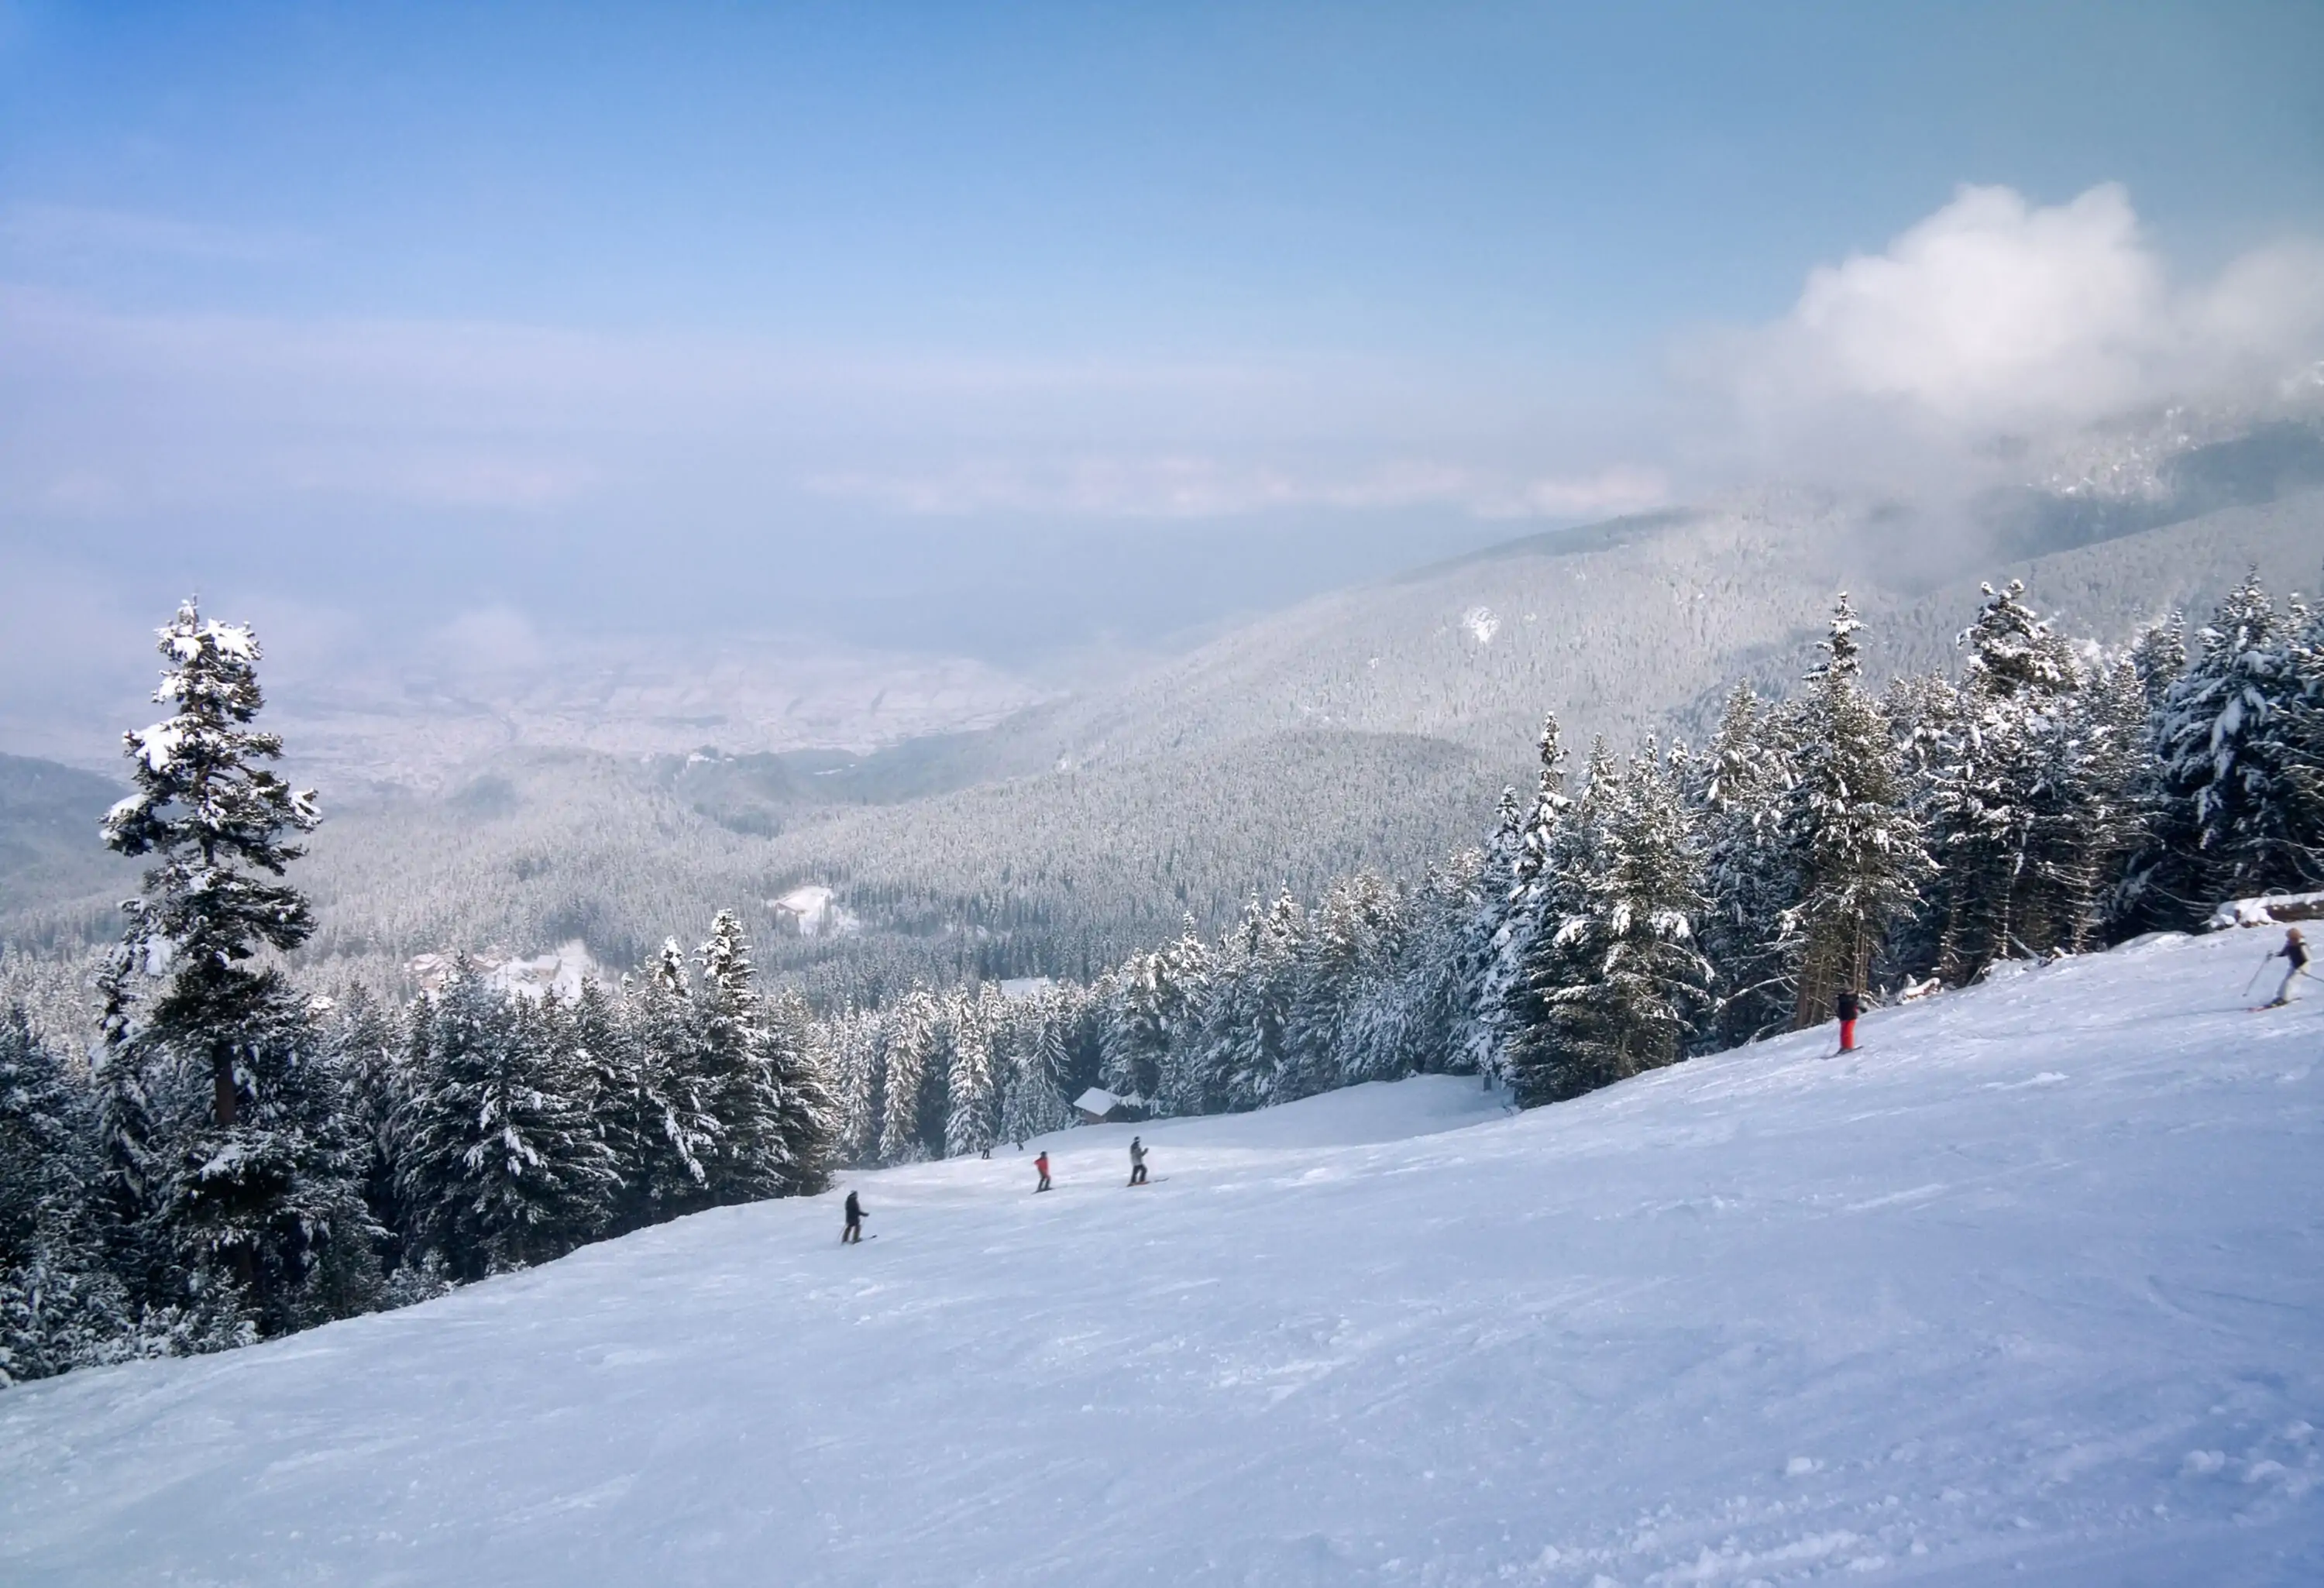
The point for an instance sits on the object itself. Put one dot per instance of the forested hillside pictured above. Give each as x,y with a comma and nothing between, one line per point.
246,1156
1367,729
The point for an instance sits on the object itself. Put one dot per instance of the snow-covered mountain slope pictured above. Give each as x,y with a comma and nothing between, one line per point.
1623,625
2027,1290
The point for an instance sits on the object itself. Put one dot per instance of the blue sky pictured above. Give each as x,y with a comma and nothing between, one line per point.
1130,315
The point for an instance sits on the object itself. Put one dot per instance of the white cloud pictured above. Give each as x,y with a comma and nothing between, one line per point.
1996,316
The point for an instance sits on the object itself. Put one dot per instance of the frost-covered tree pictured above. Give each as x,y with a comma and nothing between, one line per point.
851,1049
807,1118
501,1165
1849,826
1033,1100
1751,873
1148,1051
675,1134
62,1307
2007,787
1629,979
2159,656
733,1059
369,1050
972,1118
1341,1030
1520,918
215,818
2299,740
911,1043
2227,810
245,1170
1248,1015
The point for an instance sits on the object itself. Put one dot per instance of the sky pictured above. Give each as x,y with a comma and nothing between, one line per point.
1018,330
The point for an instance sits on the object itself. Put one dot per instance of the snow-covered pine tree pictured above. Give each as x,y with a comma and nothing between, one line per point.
2225,815
2300,740
2005,781
1249,1011
745,1164
910,1029
253,1184
1521,916
1632,980
502,1166
1859,853
1345,971
62,1307
679,1130
807,1118
608,1073
852,1051
1750,875
1034,1101
2160,655
1434,997
369,1051
1166,997
972,1113
1541,1019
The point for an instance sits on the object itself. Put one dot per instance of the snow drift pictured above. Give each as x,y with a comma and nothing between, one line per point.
2031,1282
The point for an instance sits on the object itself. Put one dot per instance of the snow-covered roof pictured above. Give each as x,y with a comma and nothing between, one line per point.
1097,1100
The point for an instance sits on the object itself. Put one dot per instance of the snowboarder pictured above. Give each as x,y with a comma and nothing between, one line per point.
2296,953
1848,1005
1137,1161
853,1233
1041,1167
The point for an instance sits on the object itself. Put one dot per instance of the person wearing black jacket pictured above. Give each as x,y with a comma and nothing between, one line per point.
2295,953
853,1233
1848,1005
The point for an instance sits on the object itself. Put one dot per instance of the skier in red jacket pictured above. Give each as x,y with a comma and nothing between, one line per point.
1041,1167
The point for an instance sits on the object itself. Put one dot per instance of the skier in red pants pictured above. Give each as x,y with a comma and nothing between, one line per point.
1850,1005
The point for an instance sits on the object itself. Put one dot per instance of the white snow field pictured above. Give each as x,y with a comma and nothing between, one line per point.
2029,1290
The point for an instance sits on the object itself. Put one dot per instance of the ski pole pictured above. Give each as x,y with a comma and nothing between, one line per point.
2255,975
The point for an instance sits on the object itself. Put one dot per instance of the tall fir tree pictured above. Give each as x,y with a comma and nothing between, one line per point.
1750,874
2006,792
1859,853
678,1130
973,1115
807,1118
256,1189
1524,924
2225,811
732,1048
1628,979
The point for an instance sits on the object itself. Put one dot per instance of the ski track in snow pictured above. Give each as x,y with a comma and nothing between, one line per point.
2029,1291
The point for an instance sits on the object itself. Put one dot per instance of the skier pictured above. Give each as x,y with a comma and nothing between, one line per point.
1849,1005
1137,1161
1041,1167
2296,953
853,1233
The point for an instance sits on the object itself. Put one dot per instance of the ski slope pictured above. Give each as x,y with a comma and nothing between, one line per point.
2029,1290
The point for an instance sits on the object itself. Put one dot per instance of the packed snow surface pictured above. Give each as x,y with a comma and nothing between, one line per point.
2028,1290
